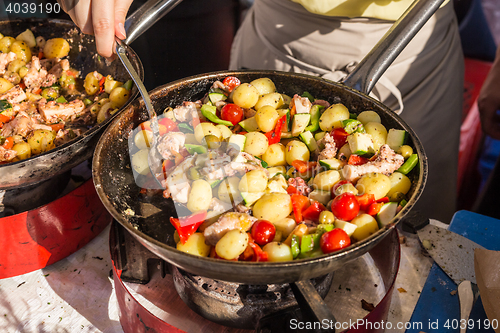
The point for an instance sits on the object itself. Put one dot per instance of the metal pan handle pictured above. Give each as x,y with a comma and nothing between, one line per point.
376,62
147,15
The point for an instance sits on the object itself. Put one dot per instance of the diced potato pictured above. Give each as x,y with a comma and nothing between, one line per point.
41,141
15,65
366,117
399,183
325,180
225,131
142,139
245,95
256,143
195,245
296,150
378,133
273,99
366,225
253,181
204,129
230,186
275,155
264,85
91,83
375,183
266,118
286,226
23,150
22,50
140,162
232,244
5,44
56,48
200,196
119,96
5,85
333,116
278,252
273,207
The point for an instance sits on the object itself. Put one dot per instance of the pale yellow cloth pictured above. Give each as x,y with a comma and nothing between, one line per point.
382,9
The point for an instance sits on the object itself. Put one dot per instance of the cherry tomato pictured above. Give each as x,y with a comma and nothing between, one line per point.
231,112
263,232
345,206
339,136
231,82
169,124
334,240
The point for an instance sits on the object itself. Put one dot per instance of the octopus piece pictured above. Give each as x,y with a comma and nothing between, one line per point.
300,104
386,162
249,113
221,86
322,103
53,112
300,184
171,144
37,76
14,95
177,182
225,223
188,111
7,155
22,124
330,150
5,59
60,67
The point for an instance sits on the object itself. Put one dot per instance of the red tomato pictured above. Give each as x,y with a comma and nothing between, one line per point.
339,136
231,112
170,125
263,232
231,82
345,206
334,240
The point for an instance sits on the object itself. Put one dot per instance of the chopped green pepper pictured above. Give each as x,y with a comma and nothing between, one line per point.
409,164
128,85
295,246
61,99
309,96
315,115
208,111
4,105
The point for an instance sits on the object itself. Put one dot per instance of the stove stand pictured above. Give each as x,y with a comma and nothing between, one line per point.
267,308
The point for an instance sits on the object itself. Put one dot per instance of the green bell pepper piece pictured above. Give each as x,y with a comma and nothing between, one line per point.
409,164
295,246
315,115
208,111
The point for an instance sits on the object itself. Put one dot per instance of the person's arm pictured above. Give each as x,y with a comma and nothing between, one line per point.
489,100
102,18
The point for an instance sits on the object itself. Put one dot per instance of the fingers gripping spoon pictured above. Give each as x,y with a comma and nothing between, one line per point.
154,158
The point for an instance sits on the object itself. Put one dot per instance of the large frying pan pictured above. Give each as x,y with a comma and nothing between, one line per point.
147,217
83,57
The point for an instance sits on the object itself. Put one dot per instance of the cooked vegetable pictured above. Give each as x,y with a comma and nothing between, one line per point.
232,244
41,141
333,116
245,95
199,196
375,183
273,207
56,48
253,181
256,143
195,245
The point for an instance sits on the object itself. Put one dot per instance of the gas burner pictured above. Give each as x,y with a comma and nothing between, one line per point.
147,296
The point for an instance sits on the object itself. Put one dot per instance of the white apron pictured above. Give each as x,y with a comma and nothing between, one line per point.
282,35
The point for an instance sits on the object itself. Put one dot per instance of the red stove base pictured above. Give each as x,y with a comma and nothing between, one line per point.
35,239
137,314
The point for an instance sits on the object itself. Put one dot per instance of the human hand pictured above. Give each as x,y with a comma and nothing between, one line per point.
102,18
489,101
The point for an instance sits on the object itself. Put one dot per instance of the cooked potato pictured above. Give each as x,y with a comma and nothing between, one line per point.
110,84
232,244
278,251
325,180
41,141
5,85
264,86
104,112
56,48
91,83
286,226
5,44
140,162
225,131
203,129
375,183
378,133
300,230
296,150
15,65
245,95
345,150
273,99
22,50
23,150
266,118
399,183
27,37
143,139
366,117
253,181
275,155
272,171
119,96
273,207
230,186
346,188
200,196
333,116
195,245
366,225
256,143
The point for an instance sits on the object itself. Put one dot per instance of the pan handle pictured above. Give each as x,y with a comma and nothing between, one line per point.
147,15
376,62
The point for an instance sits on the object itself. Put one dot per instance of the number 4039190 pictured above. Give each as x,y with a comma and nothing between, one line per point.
32,8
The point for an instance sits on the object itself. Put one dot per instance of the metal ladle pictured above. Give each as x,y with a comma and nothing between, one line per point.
137,23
